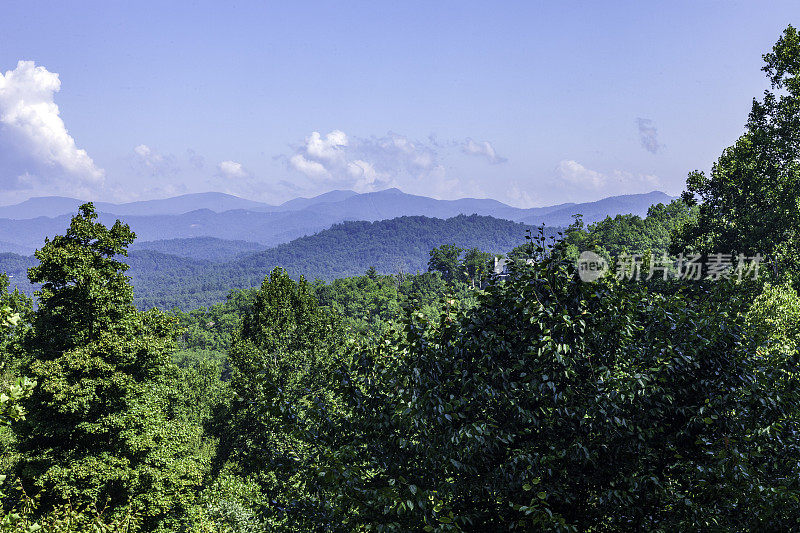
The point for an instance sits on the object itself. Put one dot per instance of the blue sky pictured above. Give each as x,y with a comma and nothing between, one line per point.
529,103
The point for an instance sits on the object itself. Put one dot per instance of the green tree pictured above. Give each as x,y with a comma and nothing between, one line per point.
283,359
101,426
15,310
750,202
630,233
774,320
475,265
446,259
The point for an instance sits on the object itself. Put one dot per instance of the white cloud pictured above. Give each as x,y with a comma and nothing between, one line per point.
149,162
333,161
232,170
337,160
34,141
482,149
397,153
329,148
312,169
364,174
143,151
233,177
580,182
574,173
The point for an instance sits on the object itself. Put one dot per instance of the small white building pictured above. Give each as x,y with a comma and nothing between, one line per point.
501,265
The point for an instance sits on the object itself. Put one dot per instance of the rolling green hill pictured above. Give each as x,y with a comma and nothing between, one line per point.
346,249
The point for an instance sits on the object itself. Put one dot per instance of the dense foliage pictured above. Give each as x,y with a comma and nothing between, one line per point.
560,405
102,423
630,234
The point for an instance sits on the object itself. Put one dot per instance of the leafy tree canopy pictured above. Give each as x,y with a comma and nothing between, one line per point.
750,201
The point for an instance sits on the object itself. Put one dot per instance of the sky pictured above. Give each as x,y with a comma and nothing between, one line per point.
530,103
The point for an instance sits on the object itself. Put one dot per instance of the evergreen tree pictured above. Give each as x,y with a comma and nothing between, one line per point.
101,426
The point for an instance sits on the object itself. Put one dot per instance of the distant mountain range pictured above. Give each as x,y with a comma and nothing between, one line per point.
24,226
53,206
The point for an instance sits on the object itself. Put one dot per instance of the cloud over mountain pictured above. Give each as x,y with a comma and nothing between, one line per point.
484,149
359,164
148,161
574,173
232,170
584,182
373,163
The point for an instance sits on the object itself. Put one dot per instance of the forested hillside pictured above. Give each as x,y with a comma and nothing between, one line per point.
169,274
347,249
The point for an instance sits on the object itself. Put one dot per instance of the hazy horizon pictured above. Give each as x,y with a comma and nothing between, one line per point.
242,197
529,105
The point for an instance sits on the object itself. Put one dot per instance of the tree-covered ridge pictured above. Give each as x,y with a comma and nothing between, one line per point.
346,249
215,215
391,246
402,245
